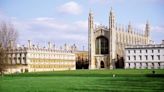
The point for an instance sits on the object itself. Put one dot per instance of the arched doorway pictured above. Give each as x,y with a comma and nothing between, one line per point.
102,64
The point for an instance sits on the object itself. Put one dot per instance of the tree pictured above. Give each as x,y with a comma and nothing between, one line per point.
7,34
2,59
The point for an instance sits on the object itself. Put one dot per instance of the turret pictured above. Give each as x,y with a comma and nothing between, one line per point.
130,28
91,43
147,29
112,40
90,20
111,19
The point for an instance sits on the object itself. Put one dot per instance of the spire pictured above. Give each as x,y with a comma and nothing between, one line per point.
147,29
130,27
91,12
111,19
111,10
90,20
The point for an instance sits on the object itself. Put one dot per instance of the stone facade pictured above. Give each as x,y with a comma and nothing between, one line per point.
144,56
34,58
106,44
82,60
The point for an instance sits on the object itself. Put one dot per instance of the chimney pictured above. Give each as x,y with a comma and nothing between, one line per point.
74,47
65,46
29,44
49,45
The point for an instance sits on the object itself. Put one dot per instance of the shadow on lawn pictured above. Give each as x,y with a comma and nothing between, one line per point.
155,75
82,75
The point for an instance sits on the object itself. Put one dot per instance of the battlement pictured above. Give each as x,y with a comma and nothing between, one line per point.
145,46
98,27
32,48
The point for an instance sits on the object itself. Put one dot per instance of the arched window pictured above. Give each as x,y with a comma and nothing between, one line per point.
102,45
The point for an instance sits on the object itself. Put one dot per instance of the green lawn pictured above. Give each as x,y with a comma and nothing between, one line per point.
85,81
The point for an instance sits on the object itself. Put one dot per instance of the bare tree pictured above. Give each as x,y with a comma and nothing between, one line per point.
7,33
2,59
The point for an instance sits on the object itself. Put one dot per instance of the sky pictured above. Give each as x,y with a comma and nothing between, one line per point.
65,21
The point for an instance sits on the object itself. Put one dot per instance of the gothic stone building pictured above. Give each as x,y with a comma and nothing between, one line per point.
106,44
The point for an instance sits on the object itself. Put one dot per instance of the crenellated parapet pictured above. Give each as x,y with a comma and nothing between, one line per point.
99,27
50,48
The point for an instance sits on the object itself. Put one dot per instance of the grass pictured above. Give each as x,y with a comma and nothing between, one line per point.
85,81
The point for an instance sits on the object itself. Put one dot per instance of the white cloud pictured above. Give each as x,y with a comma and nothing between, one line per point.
82,24
153,28
106,1
157,33
158,29
70,8
122,1
44,29
21,25
50,22
44,19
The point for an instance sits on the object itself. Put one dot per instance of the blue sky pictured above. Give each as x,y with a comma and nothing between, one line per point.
65,21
